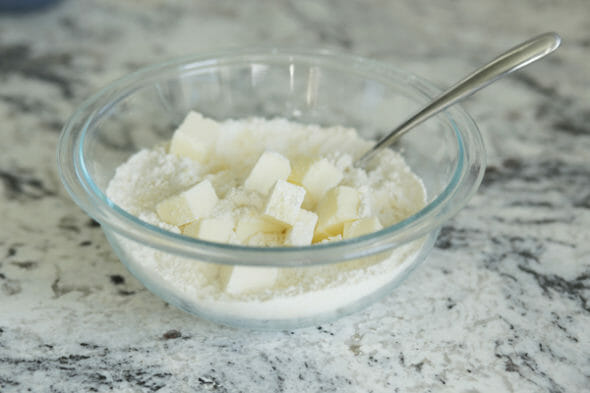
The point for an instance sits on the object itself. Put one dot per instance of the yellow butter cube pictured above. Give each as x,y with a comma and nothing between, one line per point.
284,202
249,225
361,227
299,165
329,239
194,203
317,177
269,168
338,206
195,138
242,279
211,229
301,233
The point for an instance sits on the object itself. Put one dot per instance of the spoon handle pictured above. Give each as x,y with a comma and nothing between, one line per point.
508,62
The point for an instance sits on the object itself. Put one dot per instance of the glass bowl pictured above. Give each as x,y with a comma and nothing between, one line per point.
311,87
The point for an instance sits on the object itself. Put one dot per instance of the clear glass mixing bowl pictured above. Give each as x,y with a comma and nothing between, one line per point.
313,87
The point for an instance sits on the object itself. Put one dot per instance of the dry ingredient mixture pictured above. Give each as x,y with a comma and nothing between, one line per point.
261,182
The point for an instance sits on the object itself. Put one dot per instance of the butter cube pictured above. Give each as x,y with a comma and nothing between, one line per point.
329,239
317,177
194,203
362,226
301,233
337,207
284,202
299,165
241,279
211,229
249,225
195,138
269,168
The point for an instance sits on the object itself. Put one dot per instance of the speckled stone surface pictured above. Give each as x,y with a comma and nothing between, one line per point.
501,305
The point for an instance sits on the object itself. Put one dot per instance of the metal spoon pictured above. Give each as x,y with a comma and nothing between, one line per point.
508,62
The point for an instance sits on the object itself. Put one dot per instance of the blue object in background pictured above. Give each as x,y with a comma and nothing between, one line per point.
23,5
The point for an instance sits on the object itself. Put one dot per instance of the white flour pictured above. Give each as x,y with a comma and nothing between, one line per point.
391,192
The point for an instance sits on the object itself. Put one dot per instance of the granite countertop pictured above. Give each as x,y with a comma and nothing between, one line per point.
502,303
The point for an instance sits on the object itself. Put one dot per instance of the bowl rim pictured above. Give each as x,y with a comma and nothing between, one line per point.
76,178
